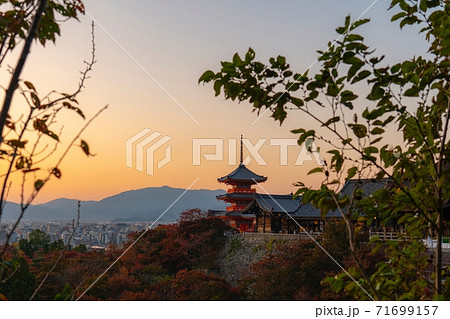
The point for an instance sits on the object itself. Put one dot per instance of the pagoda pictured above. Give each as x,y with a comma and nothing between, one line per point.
240,195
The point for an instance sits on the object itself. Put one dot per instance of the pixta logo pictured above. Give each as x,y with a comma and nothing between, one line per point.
145,145
308,151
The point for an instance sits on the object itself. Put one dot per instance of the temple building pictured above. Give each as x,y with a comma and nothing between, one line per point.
239,196
252,212
249,211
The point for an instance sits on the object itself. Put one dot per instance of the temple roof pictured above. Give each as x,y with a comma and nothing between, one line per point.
236,196
242,174
275,203
237,213
368,186
309,211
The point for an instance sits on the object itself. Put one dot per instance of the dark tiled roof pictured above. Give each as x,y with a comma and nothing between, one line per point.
242,173
309,211
275,203
369,186
217,213
214,212
236,195
239,214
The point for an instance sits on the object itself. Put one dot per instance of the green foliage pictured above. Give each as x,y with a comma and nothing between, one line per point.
80,248
17,17
411,97
20,283
65,295
38,240
57,245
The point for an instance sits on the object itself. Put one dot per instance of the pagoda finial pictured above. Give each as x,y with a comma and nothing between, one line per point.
242,150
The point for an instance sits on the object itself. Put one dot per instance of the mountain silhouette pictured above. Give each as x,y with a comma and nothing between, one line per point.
145,204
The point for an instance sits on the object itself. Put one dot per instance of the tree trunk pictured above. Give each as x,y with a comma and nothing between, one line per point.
438,251
19,67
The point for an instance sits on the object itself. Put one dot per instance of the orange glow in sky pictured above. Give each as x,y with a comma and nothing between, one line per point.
173,43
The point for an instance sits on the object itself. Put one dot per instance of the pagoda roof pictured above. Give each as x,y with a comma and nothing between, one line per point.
236,196
242,174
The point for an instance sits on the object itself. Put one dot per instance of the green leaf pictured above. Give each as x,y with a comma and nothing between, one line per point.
298,131
76,109
297,102
217,86
377,131
337,159
30,85
281,60
408,66
423,5
85,147
375,113
331,121
20,163
398,16
237,61
353,69
52,135
299,192
207,76
250,55
56,172
359,23
350,58
35,99
38,184
351,172
376,140
346,141
305,135
413,91
370,149
315,170
354,37
348,96
376,93
361,76
359,130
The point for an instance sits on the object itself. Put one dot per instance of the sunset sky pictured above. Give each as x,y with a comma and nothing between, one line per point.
175,42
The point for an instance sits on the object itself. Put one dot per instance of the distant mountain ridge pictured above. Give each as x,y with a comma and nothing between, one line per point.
145,204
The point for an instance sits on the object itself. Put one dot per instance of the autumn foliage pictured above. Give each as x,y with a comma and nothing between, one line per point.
170,262
180,262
